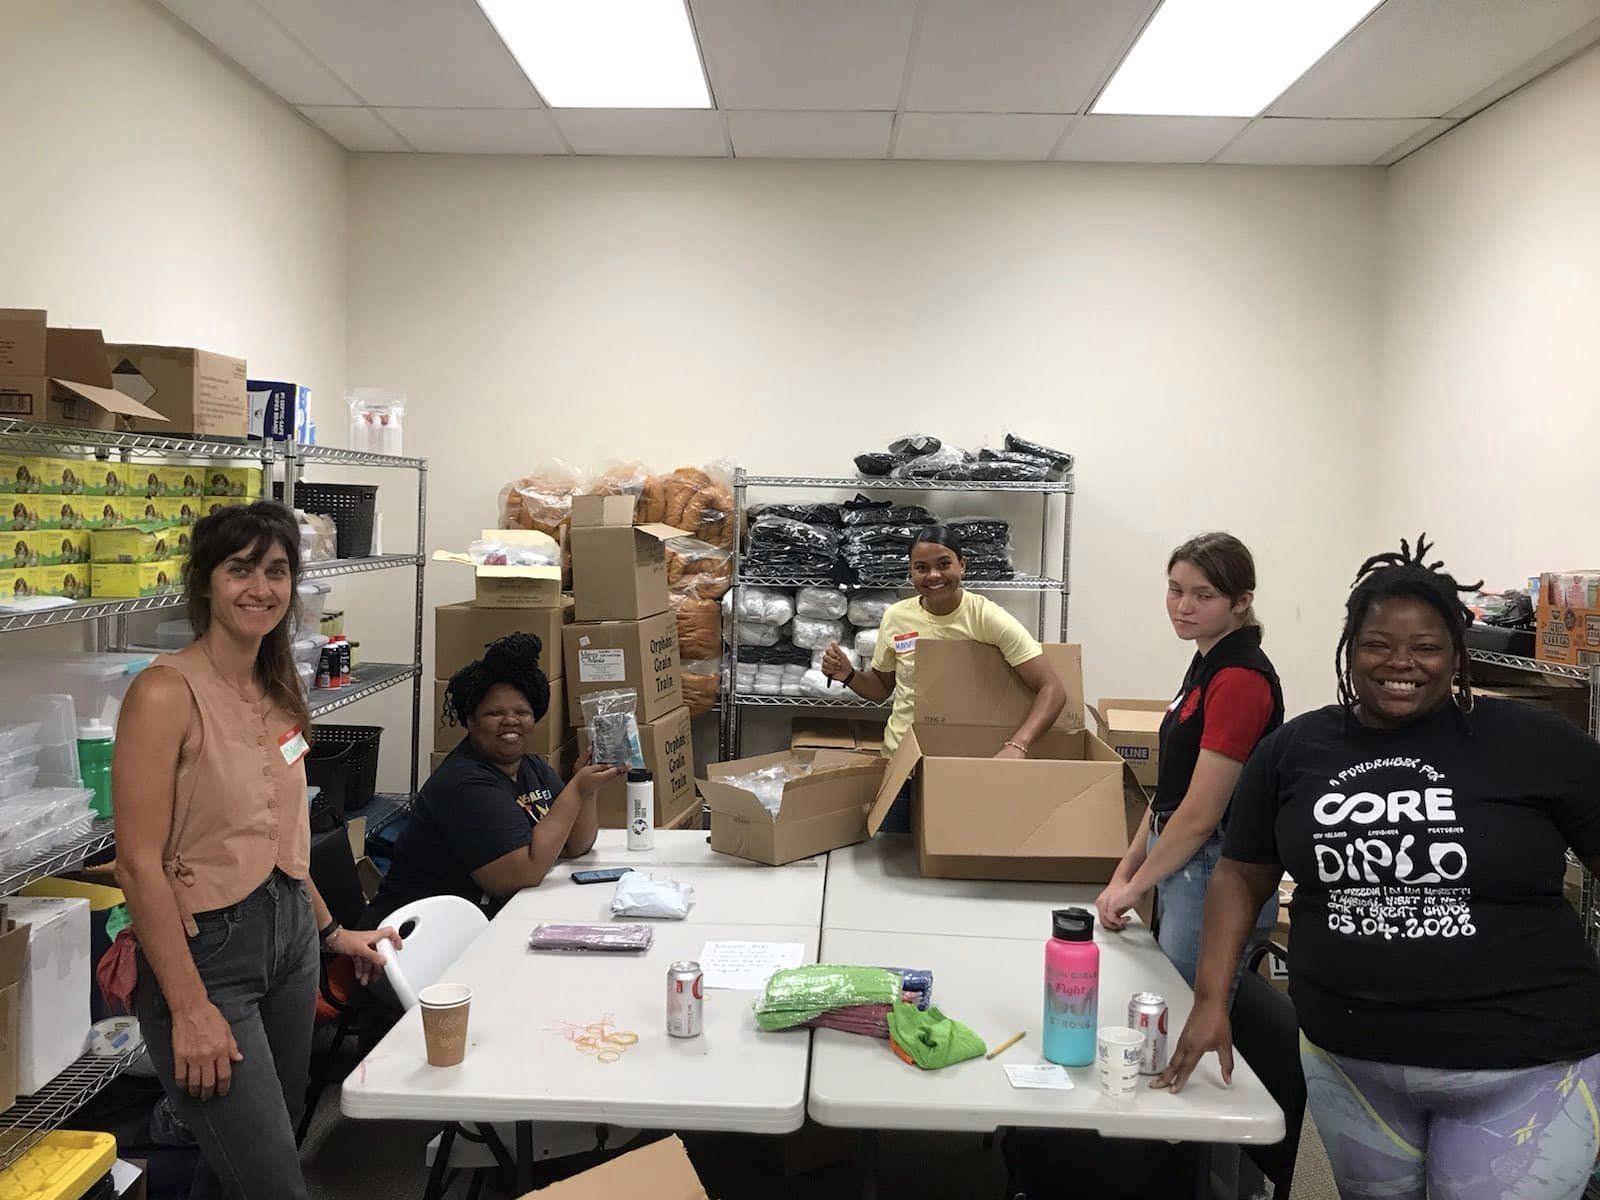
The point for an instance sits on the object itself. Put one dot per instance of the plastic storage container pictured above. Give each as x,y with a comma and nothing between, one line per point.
308,648
351,505
97,683
313,602
65,1165
343,762
16,735
174,635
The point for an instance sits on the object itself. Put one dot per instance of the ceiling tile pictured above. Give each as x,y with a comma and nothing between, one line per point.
477,130
1148,139
410,53
1023,56
810,134
1421,58
243,32
808,54
1291,141
1014,137
354,128
1568,47
671,133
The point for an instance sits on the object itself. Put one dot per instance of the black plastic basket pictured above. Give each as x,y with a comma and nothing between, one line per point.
344,763
351,505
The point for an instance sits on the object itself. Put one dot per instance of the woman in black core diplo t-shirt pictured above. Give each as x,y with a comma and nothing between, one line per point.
1449,1004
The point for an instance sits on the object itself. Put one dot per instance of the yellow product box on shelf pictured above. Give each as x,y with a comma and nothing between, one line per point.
19,474
125,581
146,480
184,481
133,544
18,581
44,548
71,581
175,510
233,481
19,512
215,504
60,476
108,478
16,550
71,512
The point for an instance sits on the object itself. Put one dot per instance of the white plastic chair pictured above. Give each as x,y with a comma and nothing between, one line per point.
436,931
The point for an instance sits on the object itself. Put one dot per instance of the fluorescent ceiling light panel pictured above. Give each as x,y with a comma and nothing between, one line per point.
1225,58
604,53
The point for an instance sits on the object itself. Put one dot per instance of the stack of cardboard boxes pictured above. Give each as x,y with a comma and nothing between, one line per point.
1567,616
625,637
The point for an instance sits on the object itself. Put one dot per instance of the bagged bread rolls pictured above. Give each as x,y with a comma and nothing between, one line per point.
681,487
700,682
698,568
699,626
710,514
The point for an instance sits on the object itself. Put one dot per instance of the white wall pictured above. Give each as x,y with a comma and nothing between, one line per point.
1490,414
1204,339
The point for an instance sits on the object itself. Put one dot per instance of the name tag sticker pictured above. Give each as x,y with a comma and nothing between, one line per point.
293,746
905,643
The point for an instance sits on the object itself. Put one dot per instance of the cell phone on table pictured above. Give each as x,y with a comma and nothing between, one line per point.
603,875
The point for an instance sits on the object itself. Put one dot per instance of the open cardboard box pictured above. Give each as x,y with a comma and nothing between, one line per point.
821,811
61,376
661,1170
1064,814
619,569
1133,729
830,733
514,587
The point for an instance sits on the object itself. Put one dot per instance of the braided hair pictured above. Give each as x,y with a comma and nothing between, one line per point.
1407,573
514,660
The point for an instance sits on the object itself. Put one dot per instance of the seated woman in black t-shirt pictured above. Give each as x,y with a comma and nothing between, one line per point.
493,820
1448,1000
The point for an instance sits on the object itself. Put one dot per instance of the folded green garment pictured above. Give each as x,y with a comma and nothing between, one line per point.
796,995
930,1039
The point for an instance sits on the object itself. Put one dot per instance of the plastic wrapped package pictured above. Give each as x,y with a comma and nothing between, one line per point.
768,783
980,529
1061,459
827,604
488,553
613,939
866,645
815,683
1003,471
796,995
698,568
324,537
377,420
779,537
769,679
863,511
702,679
930,465
794,679
744,675
542,499
753,634
695,500
806,514
813,634
875,464
614,727
699,625
764,606
916,445
618,479
640,895
866,609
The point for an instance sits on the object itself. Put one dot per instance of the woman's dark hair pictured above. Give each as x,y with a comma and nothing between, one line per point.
941,535
514,660
1226,562
1404,573
251,530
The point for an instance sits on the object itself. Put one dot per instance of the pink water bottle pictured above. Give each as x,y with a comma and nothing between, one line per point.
1071,988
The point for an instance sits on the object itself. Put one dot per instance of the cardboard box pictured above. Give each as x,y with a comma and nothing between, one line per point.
548,735
1568,618
668,745
232,481
55,987
18,474
176,512
18,581
1064,814
462,631
13,969
661,1170
183,481
510,586
1571,702
619,569
61,377
829,733
132,544
56,547
196,391
208,506
71,581
1133,729
274,407
79,477
114,581
642,655
820,811
19,513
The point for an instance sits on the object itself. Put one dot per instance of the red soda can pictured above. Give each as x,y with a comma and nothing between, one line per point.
1147,1012
685,1000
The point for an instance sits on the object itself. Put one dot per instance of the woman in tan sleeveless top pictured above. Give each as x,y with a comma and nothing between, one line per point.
213,850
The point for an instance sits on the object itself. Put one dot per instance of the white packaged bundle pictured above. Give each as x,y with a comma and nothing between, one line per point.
769,680
818,684
794,680
812,634
827,604
866,644
764,606
638,895
753,633
866,609
745,677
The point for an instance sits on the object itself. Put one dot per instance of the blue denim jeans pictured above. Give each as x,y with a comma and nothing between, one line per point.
1181,902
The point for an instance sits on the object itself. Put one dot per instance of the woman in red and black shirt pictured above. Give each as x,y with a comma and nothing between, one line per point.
1230,700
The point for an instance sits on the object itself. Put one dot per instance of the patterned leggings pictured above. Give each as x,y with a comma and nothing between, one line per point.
1405,1133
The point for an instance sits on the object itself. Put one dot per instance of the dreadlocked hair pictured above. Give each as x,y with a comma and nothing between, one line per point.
514,660
1406,573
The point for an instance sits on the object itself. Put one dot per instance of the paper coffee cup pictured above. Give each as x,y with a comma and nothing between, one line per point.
444,1022
1118,1051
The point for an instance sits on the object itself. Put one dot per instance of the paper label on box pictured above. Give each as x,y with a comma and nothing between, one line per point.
602,666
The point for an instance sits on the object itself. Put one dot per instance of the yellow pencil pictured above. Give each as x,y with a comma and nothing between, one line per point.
1006,1045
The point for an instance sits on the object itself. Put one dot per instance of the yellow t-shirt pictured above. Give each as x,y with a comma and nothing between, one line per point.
976,619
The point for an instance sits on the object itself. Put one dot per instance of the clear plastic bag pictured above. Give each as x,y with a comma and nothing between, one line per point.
934,465
614,727
812,634
795,995
513,554
618,479
753,634
624,939
867,609
916,445
698,568
866,644
816,683
542,499
1060,458
639,895
827,604
768,783
702,680
699,622
764,606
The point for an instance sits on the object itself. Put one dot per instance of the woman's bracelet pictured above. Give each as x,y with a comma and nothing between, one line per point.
848,679
1016,746
327,932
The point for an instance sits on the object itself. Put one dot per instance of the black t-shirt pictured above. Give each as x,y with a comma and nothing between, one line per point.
466,815
1428,926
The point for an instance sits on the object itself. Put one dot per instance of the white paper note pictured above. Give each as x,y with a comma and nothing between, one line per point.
746,966
1038,1075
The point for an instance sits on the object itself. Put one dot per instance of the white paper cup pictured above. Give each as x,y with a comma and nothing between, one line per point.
445,1007
1118,1051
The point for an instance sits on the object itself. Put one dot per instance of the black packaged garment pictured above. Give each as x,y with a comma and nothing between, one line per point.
915,445
980,529
862,511
877,465
782,546
807,514
1061,458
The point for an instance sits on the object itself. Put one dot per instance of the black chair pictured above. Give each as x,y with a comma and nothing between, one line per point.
1266,1033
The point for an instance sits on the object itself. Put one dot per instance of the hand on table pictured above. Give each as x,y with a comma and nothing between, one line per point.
1113,904
1207,1029
361,947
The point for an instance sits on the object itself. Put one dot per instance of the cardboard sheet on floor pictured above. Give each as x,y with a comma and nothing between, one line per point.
661,1170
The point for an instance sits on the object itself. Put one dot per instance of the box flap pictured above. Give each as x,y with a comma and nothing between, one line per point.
970,683
904,761
111,400
78,354
591,511
661,1170
1133,716
662,533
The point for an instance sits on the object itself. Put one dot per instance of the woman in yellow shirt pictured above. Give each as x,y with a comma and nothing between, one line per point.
943,610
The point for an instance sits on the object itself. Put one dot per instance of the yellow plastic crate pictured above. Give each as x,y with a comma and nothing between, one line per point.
63,1166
